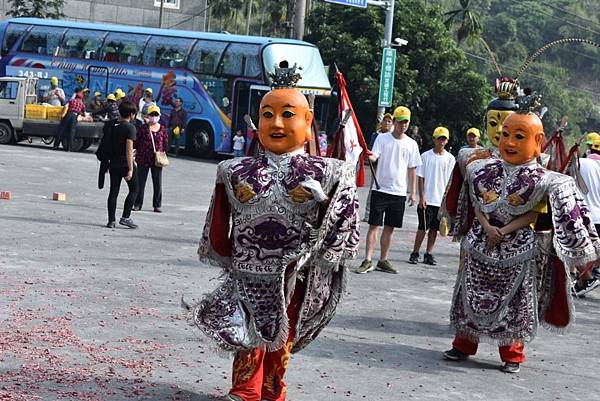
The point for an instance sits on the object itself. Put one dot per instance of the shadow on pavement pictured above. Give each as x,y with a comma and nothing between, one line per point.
395,326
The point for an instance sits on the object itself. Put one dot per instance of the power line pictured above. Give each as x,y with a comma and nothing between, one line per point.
508,67
189,18
562,10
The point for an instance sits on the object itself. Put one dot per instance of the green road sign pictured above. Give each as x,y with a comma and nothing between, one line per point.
386,81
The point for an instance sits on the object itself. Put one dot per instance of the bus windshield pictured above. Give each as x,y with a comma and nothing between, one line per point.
307,57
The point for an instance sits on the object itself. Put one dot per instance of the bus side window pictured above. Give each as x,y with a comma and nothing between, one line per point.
205,56
13,33
81,43
123,48
166,52
241,60
42,40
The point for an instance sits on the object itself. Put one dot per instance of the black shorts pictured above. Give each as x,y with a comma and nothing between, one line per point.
386,209
428,218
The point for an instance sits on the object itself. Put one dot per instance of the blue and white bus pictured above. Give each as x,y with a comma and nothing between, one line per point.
219,77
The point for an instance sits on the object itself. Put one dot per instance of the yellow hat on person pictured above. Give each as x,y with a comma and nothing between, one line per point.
474,131
388,115
96,94
596,144
149,90
441,132
153,109
54,81
111,97
120,95
401,113
591,137
87,90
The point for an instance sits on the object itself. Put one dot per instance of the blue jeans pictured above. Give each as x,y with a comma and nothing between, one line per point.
238,153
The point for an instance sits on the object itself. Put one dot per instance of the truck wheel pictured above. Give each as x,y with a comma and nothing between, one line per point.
6,134
77,145
48,140
200,140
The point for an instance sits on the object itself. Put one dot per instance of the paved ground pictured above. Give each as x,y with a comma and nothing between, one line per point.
89,313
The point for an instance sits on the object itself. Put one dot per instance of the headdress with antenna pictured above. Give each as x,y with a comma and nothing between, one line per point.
284,76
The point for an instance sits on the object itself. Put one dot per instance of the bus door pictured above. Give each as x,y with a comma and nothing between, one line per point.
97,80
256,94
241,94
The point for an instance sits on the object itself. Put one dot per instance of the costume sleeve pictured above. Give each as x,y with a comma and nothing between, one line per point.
215,245
575,239
339,231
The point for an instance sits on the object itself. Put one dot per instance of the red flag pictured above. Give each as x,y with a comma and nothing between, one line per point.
349,142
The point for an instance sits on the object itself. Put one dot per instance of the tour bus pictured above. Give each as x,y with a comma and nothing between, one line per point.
219,77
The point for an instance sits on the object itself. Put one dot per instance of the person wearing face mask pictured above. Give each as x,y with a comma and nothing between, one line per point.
145,157
508,283
282,225
68,125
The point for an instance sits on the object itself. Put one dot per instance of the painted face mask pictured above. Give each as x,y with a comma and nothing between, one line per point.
153,119
493,124
521,139
285,121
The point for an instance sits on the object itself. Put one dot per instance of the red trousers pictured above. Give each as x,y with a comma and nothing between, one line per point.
514,353
258,374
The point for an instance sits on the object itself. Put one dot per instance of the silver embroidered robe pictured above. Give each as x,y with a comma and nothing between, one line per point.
503,293
266,231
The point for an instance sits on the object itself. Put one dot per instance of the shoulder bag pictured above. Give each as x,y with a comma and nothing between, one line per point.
160,158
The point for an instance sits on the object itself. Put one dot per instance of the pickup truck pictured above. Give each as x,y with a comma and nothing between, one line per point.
15,93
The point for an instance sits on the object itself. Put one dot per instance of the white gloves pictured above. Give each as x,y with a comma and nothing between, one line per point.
315,188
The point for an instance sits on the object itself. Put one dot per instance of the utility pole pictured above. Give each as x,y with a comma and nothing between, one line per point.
299,14
248,16
160,13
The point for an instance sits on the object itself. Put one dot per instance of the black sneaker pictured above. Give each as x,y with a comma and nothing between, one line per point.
428,259
455,355
511,367
414,258
588,285
127,222
110,224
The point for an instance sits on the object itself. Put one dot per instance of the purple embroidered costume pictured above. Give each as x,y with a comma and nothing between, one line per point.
266,231
504,292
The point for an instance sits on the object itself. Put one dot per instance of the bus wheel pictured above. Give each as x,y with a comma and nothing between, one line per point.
77,145
6,134
48,140
87,143
200,141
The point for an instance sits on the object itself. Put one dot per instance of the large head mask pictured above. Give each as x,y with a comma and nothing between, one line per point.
522,138
285,117
500,108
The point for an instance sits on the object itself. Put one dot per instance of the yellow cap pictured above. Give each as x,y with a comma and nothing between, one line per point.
111,97
54,81
388,115
120,95
440,132
596,144
402,113
149,90
591,137
87,90
153,109
96,94
118,90
474,131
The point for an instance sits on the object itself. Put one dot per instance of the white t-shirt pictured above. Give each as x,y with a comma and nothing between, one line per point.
394,158
238,142
590,172
436,171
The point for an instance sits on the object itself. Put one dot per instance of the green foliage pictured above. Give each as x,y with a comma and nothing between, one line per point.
433,77
36,8
565,75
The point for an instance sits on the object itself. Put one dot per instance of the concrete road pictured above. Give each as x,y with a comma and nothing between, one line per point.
89,313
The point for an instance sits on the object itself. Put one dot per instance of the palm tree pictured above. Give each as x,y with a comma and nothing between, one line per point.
470,28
